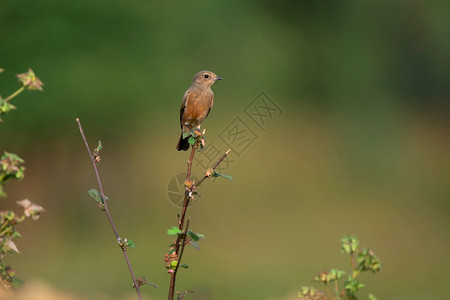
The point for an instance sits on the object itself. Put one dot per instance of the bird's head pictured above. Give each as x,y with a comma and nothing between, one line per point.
205,79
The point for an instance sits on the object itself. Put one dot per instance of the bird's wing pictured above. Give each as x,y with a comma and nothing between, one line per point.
183,106
212,102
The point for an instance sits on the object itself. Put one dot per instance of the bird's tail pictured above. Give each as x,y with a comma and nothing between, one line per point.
183,144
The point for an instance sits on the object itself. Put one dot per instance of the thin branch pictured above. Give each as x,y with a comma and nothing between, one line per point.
328,291
124,251
336,288
182,245
191,159
214,168
174,274
187,197
15,94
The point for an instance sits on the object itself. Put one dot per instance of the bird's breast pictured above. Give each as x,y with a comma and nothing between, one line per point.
197,107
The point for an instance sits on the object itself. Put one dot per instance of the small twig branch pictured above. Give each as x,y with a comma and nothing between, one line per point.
124,251
191,159
187,198
213,168
175,272
183,245
15,94
181,224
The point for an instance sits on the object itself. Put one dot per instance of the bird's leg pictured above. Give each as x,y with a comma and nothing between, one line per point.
197,130
190,130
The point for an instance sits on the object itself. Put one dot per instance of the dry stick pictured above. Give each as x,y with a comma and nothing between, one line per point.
187,197
124,251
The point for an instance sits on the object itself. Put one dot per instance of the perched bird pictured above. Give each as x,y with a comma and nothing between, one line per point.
197,102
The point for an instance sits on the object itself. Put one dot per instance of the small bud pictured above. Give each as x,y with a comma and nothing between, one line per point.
209,173
31,209
188,184
30,81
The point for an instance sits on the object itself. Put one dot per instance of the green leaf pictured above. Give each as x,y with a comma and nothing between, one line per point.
184,266
16,282
5,107
192,140
99,147
217,174
131,244
196,236
94,194
349,244
372,297
145,281
352,285
368,261
186,134
16,234
173,231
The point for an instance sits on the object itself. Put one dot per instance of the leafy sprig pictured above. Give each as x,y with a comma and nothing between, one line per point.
361,261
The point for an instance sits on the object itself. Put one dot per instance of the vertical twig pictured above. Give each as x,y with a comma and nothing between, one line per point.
183,245
124,251
174,274
187,198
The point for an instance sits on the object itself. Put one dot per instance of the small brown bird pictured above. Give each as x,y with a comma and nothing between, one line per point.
197,102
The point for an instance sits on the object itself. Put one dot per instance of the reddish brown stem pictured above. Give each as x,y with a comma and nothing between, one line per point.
191,159
213,168
108,214
187,198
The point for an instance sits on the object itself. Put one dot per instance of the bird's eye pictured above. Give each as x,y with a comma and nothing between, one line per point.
206,76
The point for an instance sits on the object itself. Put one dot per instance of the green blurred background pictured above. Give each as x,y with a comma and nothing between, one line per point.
361,148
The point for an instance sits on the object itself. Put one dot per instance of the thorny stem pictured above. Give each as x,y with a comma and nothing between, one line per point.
187,198
15,94
124,251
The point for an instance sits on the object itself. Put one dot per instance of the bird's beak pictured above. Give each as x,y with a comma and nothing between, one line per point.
218,78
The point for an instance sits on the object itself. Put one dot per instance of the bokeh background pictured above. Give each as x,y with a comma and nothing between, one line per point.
362,146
